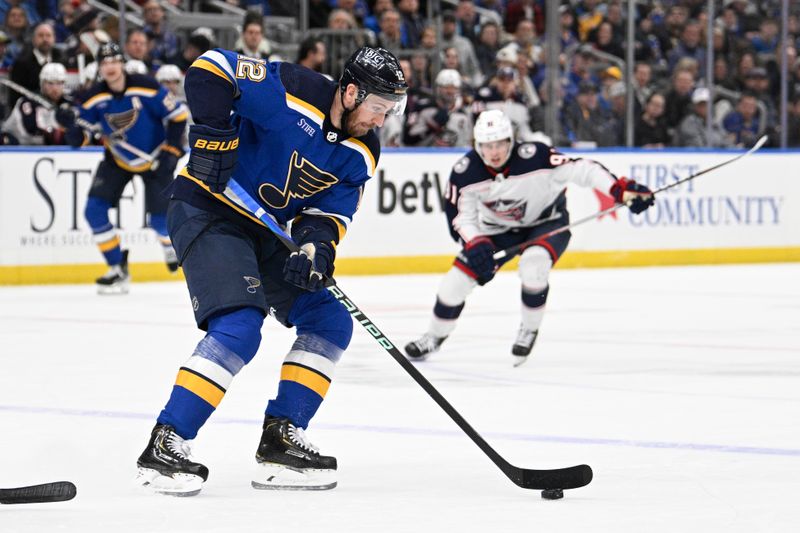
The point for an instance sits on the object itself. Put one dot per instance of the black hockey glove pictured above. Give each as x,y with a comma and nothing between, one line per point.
65,116
167,161
637,196
478,253
213,155
309,267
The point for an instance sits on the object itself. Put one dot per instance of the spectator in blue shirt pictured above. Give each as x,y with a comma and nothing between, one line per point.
744,124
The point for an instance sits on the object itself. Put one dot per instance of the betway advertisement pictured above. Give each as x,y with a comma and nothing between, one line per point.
753,203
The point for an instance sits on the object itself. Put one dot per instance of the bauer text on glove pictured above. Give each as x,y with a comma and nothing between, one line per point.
213,155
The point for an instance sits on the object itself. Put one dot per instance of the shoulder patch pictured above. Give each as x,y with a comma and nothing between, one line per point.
461,165
526,151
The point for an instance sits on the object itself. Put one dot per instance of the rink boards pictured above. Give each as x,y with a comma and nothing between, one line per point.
746,212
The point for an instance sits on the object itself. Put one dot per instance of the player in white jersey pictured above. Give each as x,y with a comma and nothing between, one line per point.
501,194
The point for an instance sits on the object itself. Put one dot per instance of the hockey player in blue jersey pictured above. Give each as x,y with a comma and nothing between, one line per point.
303,147
501,194
142,127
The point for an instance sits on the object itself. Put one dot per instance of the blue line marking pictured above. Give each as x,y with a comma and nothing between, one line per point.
627,443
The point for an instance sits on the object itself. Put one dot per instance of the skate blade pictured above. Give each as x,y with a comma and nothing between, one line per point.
279,477
121,288
180,485
519,360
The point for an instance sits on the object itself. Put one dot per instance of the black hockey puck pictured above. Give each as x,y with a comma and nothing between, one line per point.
552,494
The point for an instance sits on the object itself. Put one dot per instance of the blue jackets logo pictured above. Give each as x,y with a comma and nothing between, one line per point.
302,180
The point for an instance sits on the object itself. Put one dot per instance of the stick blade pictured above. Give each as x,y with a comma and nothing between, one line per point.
58,491
572,477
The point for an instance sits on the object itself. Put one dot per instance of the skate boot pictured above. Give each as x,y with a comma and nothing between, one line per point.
171,259
419,349
287,461
116,280
523,345
165,466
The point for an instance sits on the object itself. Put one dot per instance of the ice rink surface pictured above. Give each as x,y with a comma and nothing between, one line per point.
679,386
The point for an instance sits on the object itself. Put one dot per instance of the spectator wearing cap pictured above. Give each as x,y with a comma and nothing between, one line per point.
651,129
487,47
584,122
164,43
312,54
251,42
692,132
467,60
25,70
744,126
679,98
757,82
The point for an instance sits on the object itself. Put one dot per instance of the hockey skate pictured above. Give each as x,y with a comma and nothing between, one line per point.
523,345
117,279
419,349
287,461
165,466
171,259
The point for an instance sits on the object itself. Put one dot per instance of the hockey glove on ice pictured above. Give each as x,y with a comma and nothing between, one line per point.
478,253
308,268
637,196
213,155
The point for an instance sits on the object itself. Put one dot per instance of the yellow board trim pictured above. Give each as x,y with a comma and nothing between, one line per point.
197,385
305,377
360,266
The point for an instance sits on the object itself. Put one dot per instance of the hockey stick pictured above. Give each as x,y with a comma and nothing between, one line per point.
560,478
519,248
93,128
57,491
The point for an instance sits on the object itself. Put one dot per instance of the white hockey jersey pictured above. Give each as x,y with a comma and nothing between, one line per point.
528,191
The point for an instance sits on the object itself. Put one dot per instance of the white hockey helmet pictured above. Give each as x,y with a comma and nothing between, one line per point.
135,66
168,73
448,77
493,125
54,72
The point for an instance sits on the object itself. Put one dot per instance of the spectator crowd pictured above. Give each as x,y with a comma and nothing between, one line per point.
485,54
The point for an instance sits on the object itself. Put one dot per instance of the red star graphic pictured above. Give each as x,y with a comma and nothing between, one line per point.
606,201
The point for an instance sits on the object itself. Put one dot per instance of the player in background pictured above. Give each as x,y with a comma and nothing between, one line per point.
443,120
33,123
501,194
303,147
142,126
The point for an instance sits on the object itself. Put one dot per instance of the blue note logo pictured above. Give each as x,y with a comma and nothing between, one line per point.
302,180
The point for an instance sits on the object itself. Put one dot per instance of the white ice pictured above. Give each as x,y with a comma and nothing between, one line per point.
679,386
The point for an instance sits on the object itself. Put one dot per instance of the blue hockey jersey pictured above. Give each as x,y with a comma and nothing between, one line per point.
144,115
291,158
